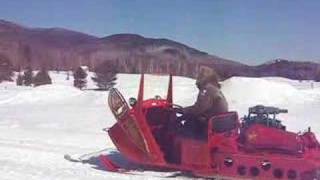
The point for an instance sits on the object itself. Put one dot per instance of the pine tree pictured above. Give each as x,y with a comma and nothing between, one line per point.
317,76
27,76
19,80
80,78
105,76
42,78
6,71
68,76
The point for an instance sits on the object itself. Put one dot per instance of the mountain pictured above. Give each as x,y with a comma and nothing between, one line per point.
39,46
58,48
289,69
62,49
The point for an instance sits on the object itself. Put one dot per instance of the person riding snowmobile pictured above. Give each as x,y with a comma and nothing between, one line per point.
210,100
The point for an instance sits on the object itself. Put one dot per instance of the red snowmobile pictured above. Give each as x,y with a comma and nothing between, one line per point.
152,133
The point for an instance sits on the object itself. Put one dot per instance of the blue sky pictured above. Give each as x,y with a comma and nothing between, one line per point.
247,31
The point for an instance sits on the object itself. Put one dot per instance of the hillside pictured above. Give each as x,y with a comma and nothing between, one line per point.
290,69
57,48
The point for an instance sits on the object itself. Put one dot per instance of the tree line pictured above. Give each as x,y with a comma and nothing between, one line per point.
104,68
103,76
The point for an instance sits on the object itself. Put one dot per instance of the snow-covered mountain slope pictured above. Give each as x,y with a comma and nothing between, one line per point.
38,126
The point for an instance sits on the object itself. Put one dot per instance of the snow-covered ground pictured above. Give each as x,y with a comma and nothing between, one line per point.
38,126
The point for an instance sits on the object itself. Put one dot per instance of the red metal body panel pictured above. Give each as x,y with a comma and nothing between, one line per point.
133,130
262,137
126,145
194,153
279,163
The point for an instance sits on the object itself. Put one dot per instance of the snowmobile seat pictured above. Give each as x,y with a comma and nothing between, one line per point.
224,122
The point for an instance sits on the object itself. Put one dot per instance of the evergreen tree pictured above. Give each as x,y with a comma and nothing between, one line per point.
27,76
19,80
68,76
317,78
80,78
105,76
6,71
57,70
42,78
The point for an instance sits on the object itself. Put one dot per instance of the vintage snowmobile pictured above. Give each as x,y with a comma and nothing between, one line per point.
151,133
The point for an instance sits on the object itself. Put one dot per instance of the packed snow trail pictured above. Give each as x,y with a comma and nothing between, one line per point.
38,126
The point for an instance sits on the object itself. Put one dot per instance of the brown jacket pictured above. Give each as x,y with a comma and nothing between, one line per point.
210,102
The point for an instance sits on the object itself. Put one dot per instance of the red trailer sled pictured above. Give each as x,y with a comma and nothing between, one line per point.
151,133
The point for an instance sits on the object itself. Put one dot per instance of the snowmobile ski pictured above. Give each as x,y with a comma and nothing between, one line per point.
72,159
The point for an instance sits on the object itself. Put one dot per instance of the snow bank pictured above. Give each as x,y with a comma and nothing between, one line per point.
240,90
300,99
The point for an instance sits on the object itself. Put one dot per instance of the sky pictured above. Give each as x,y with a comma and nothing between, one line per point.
248,31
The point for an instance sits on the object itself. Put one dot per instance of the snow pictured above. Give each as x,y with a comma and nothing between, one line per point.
38,126
43,94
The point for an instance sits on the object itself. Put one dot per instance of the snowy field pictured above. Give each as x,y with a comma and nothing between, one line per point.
38,126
